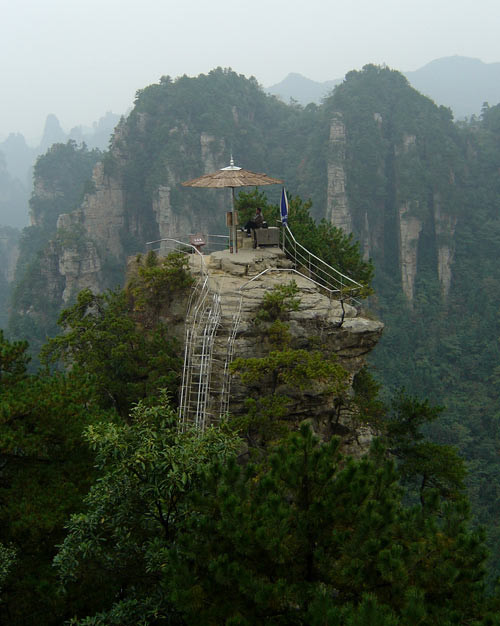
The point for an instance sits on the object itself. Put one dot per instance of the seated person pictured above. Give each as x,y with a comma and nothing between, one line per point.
255,222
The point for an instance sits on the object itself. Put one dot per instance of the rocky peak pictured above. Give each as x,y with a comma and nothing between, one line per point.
321,323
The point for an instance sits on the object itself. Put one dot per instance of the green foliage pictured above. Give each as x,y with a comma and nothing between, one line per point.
275,380
113,360
45,472
299,369
177,531
404,159
407,416
134,512
452,339
310,538
424,465
369,407
102,339
64,172
162,133
407,164
13,360
7,559
73,238
60,178
331,244
157,283
277,303
278,334
273,383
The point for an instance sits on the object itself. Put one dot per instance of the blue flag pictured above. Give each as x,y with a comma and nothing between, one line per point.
284,208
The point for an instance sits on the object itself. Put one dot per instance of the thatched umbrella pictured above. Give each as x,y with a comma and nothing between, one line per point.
232,176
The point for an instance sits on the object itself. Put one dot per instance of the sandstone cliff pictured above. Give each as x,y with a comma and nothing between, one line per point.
401,212
9,252
377,159
241,281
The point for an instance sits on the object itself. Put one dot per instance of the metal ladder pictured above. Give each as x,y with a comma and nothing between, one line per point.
202,322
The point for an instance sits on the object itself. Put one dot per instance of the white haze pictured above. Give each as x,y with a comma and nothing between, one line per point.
78,59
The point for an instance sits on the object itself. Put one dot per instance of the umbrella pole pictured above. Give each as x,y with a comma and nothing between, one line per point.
233,224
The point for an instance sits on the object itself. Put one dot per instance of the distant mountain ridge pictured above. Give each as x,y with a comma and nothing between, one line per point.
461,83
17,159
301,89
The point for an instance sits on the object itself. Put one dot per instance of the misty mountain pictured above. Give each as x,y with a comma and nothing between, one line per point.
99,134
17,160
96,136
19,157
461,83
52,133
377,158
13,198
301,89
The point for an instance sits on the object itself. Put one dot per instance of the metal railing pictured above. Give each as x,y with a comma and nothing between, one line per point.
309,265
212,243
170,244
289,270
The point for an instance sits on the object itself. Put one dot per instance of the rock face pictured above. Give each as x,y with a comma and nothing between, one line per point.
445,225
241,281
103,213
9,252
402,211
410,228
375,158
107,226
337,210
79,263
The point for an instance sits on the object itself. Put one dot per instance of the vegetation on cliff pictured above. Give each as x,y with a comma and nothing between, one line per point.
61,178
440,344
115,358
180,532
9,239
406,163
176,529
329,243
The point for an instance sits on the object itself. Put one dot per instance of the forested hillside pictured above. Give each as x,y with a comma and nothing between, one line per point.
111,514
420,193
61,177
429,192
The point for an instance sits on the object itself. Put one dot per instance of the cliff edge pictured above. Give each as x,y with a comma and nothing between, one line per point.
237,285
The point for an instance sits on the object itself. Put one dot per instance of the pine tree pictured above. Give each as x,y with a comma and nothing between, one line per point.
310,534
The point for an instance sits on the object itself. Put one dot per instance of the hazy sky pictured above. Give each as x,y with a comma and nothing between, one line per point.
78,59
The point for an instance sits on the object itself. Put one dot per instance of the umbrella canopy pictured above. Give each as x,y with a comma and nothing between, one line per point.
232,176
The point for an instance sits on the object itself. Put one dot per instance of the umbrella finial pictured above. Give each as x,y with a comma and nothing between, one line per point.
231,165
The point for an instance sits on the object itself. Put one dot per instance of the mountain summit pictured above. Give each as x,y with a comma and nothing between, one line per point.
461,83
